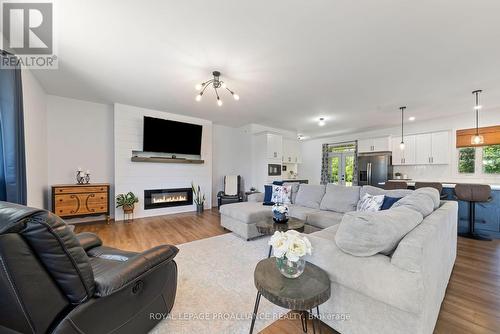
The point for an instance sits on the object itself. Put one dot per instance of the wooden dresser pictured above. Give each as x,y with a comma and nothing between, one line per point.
80,200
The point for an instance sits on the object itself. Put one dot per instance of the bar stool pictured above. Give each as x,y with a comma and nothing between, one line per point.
473,193
435,185
391,185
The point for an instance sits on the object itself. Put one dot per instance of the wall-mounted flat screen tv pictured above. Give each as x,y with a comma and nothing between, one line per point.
166,136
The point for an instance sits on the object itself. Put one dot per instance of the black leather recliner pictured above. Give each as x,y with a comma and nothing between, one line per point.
53,281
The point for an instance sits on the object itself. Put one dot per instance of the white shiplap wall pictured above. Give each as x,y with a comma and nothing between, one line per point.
138,176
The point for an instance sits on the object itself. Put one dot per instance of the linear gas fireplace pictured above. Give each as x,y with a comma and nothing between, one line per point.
162,198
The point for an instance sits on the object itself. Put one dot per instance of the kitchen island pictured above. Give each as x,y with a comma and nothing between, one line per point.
487,214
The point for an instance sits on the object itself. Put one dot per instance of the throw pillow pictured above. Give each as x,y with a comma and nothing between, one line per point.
268,193
388,202
370,203
281,194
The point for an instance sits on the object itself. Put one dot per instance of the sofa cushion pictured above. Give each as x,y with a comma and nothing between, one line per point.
247,212
281,194
379,191
301,212
418,201
268,193
310,195
295,189
370,203
369,233
373,276
340,198
389,202
433,193
324,219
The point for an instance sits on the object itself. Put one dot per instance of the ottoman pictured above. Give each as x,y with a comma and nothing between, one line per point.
241,218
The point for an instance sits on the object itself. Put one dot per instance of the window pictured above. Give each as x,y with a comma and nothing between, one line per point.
466,160
491,159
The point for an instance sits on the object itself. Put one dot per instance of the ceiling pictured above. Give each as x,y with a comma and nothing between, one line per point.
291,61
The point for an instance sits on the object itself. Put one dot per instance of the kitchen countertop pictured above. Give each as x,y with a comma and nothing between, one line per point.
445,184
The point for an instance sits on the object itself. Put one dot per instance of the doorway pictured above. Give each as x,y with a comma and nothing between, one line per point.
341,165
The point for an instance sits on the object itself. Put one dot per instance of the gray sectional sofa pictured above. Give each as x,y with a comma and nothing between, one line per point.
389,269
320,206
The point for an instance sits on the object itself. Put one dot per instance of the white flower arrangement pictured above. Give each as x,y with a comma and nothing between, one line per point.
290,244
280,208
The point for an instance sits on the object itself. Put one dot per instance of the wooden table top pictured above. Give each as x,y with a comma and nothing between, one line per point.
270,226
303,293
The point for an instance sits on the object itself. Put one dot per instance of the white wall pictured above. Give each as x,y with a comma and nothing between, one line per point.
311,149
80,134
138,176
35,120
231,156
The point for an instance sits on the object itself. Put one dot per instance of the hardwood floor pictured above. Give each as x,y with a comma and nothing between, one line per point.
471,304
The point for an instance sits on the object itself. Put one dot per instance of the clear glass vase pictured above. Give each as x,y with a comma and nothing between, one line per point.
290,269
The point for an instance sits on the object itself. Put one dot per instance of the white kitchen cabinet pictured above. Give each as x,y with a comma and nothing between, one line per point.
274,147
423,149
365,145
440,148
433,148
407,156
291,151
379,144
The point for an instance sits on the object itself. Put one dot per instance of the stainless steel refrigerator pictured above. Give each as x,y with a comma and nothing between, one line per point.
374,168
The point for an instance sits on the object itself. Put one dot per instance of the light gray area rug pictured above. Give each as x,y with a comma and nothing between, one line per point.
215,289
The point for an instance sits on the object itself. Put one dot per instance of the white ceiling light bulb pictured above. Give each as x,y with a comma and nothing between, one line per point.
478,139
402,146
411,119
198,97
219,102
236,97
321,122
198,87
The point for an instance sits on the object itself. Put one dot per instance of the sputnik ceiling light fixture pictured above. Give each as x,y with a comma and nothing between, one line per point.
477,139
216,83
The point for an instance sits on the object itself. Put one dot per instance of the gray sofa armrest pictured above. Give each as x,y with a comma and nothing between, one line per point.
257,197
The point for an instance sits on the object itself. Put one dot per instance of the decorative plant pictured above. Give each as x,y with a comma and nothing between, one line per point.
198,196
126,200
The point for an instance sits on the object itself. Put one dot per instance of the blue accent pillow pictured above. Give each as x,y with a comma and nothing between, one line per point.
388,202
268,193
278,183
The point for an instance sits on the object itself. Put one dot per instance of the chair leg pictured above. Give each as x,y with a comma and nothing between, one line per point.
471,234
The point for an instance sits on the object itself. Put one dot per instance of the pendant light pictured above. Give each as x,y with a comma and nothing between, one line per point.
402,144
477,139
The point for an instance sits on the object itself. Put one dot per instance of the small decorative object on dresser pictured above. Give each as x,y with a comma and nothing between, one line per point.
82,177
80,200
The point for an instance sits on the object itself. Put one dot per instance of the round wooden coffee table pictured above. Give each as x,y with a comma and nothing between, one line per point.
304,293
270,226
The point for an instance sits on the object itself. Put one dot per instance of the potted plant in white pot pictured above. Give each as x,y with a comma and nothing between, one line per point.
198,198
